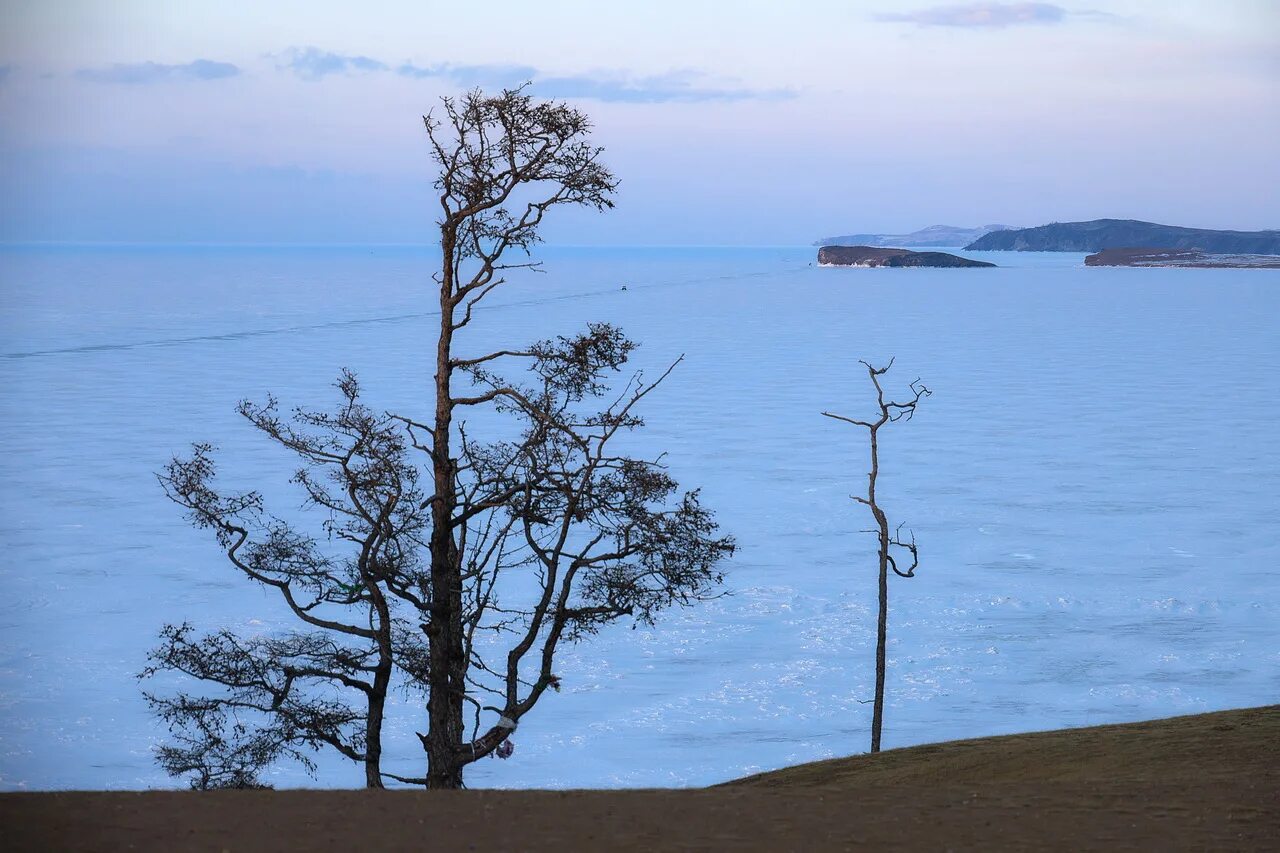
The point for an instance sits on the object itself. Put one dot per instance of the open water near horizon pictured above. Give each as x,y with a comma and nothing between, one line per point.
1094,486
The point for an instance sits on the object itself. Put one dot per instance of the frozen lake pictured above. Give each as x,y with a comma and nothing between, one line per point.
1094,486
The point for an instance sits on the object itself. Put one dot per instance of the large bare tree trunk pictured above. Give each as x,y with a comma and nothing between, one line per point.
378,697
373,736
444,632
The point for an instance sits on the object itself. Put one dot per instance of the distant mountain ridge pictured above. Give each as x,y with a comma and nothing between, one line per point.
1098,234
934,235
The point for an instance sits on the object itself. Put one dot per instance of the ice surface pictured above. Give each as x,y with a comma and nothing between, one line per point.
1093,485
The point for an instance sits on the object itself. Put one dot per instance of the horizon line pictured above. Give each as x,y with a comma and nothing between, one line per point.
146,244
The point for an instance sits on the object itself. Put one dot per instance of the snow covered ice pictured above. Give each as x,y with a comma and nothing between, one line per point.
1094,486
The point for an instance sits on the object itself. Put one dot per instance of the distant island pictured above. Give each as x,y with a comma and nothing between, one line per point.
878,256
1155,257
934,235
1099,234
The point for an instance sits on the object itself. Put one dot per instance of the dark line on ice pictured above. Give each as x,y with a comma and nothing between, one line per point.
225,336
340,324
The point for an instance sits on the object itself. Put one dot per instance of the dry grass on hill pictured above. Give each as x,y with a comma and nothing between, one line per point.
1199,749
1208,782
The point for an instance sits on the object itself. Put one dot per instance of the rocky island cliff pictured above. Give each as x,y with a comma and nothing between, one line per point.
1099,234
875,256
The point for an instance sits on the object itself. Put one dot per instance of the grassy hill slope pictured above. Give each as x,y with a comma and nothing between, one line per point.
1201,749
1208,782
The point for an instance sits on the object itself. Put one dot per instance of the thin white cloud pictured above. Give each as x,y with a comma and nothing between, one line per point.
471,75
987,15
154,72
674,86
311,63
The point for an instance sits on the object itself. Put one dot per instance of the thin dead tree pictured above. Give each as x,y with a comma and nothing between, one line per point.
887,540
289,694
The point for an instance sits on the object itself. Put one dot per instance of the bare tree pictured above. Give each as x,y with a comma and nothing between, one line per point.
290,694
512,547
555,536
887,541
554,502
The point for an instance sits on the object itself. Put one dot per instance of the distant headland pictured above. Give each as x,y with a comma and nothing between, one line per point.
1155,257
934,235
878,256
1099,234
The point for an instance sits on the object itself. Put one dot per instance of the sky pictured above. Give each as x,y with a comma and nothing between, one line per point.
746,123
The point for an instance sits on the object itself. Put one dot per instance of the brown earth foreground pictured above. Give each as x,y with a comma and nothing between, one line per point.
1208,782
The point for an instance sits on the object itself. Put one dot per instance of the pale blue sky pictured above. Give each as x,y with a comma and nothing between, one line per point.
742,123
